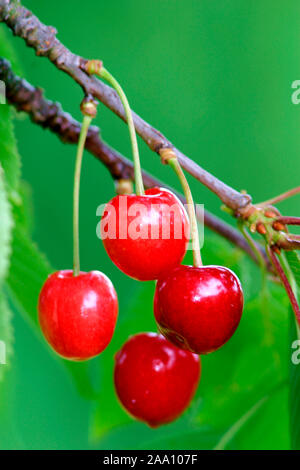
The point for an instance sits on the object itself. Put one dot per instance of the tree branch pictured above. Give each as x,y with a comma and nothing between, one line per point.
49,115
43,39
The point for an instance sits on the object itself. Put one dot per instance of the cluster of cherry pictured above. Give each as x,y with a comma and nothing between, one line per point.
197,308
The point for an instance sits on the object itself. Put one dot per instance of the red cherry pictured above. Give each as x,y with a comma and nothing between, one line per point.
145,236
155,381
78,314
198,309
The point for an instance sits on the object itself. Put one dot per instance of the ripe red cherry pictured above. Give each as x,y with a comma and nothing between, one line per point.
145,236
155,381
78,314
198,309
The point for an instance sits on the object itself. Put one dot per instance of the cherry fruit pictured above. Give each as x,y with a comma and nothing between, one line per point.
78,314
155,381
198,308
145,235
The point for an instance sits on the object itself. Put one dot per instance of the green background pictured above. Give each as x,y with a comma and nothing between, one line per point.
215,77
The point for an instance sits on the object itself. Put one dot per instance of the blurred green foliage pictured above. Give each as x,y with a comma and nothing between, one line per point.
215,77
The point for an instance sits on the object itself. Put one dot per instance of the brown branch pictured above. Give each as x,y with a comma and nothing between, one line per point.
47,114
43,39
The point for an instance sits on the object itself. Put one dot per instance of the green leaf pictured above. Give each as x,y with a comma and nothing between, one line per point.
29,270
24,212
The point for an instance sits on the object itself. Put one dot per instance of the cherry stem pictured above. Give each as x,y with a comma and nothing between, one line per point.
285,282
279,198
139,187
288,220
172,160
81,143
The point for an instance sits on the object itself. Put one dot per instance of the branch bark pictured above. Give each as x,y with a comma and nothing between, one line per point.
49,115
43,39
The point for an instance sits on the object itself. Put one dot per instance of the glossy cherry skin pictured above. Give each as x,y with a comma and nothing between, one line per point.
198,309
78,314
154,380
145,244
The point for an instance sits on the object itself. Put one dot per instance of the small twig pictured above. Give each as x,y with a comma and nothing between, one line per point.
43,39
285,283
281,197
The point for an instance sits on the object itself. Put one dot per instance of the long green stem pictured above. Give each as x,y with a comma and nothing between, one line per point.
83,133
135,151
174,163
